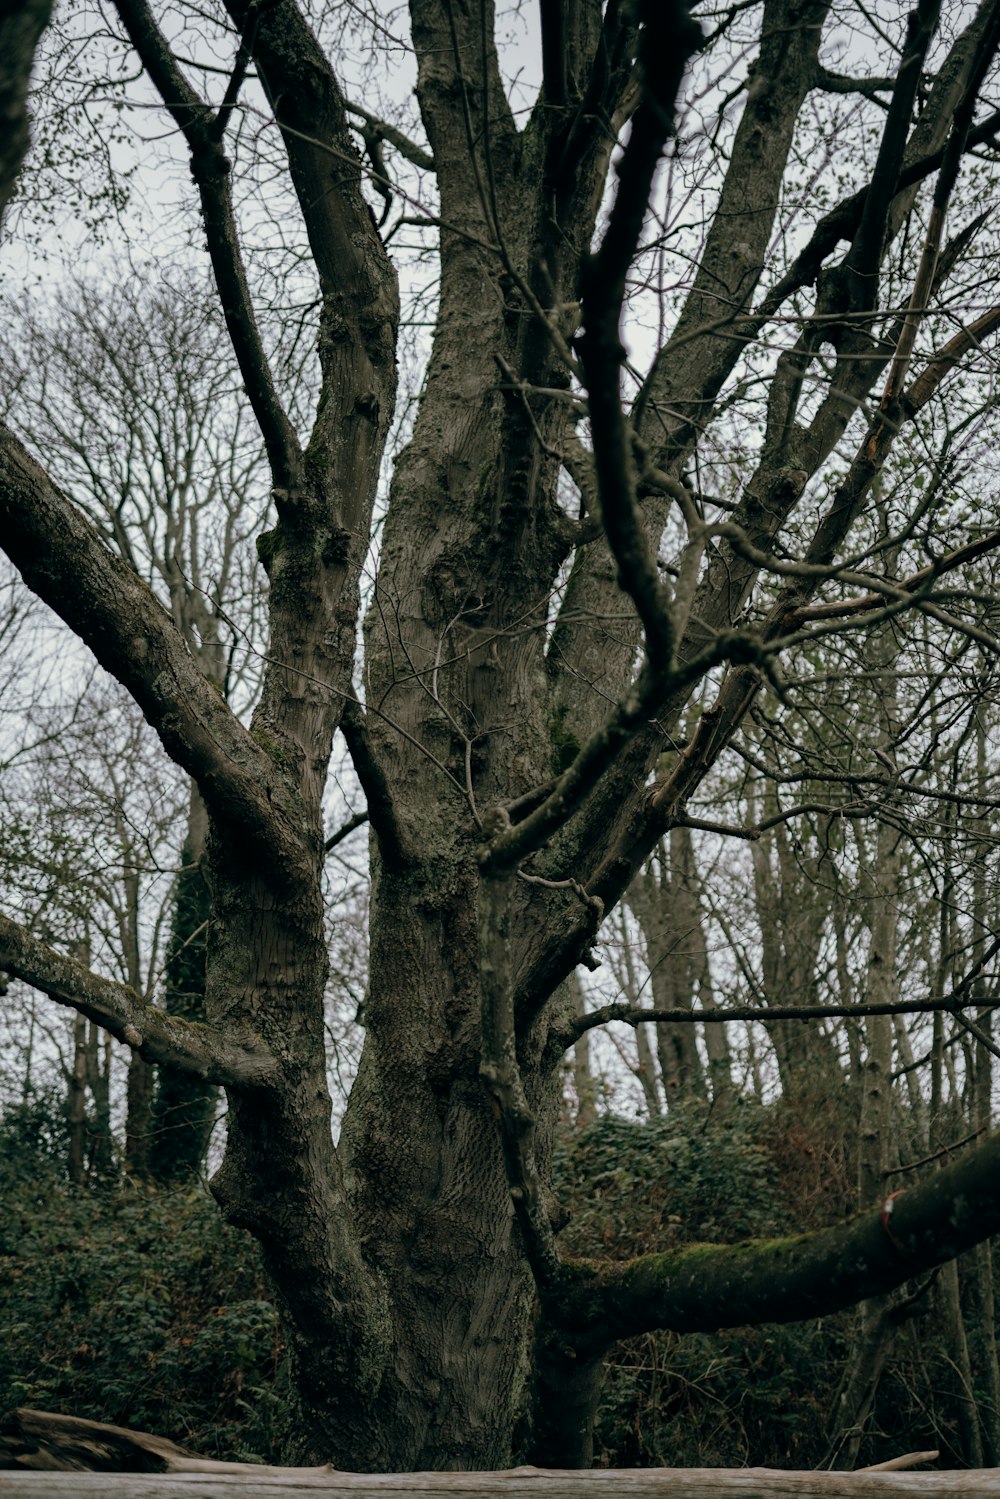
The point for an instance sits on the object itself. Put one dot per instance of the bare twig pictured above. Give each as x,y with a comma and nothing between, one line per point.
357,821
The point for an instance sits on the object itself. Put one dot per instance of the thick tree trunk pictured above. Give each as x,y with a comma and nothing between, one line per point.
427,1179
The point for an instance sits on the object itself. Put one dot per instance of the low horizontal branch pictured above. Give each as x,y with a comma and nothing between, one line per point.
195,1048
635,1015
704,1287
957,998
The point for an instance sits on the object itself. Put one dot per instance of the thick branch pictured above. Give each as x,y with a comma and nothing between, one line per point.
569,793
841,224
676,37
552,15
704,1287
21,24
863,258
842,83
709,337
383,131
157,1036
943,188
357,284
63,560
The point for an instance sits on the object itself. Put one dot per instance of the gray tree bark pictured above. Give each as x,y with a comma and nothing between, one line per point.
415,1263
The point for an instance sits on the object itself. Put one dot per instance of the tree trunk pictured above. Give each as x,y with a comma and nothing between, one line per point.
645,1068
958,1377
666,907
877,1151
183,1109
982,1322
584,1081
427,1179
76,1105
139,1090
101,1145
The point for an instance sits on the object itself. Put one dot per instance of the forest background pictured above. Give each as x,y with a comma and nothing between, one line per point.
829,771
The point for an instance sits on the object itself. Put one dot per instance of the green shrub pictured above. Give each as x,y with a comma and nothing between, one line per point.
134,1306
756,1396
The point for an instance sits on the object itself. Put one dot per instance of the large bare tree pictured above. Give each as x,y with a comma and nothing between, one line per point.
546,681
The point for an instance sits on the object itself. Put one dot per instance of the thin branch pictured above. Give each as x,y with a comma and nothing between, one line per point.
917,580
632,1015
979,1034
394,841
357,821
236,81
211,171
935,1155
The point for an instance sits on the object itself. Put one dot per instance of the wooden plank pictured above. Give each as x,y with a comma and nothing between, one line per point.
519,1483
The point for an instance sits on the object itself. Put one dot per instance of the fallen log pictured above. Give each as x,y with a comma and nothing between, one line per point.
47,1456
518,1483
